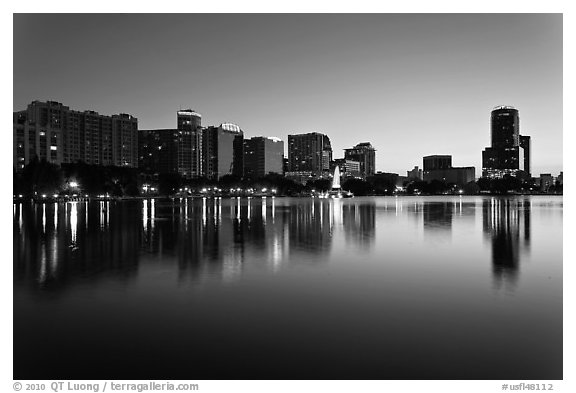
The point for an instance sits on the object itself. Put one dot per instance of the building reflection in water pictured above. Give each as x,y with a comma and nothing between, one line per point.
359,223
58,244
438,217
72,241
507,223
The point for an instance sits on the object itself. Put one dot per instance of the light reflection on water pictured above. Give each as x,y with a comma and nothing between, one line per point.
447,280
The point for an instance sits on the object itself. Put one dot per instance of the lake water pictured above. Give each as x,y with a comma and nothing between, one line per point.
284,288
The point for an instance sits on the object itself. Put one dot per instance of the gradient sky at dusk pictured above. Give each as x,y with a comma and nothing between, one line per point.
411,84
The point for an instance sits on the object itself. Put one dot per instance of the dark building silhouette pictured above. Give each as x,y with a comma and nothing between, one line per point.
263,155
158,151
437,162
525,146
52,131
415,174
365,154
439,167
509,152
174,150
310,152
223,151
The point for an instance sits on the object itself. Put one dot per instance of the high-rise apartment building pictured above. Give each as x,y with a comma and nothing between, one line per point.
223,151
263,155
51,131
189,147
509,152
311,152
366,155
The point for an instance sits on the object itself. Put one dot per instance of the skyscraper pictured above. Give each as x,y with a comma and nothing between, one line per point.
189,147
263,155
51,131
509,151
222,149
309,152
366,155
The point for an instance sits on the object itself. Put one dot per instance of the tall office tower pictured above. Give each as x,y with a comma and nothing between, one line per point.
51,131
366,155
158,150
223,151
189,152
263,155
310,152
503,157
437,162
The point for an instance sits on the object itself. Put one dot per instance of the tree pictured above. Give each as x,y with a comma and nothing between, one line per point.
319,184
358,187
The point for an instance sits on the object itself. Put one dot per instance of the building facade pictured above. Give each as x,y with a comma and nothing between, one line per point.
509,152
348,168
437,162
52,131
223,151
415,174
546,181
189,147
365,154
457,175
158,150
311,152
439,167
263,155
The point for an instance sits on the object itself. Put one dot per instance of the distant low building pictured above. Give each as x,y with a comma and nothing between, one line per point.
546,181
439,167
459,175
415,174
437,162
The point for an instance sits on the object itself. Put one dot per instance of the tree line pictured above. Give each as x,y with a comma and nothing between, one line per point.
41,177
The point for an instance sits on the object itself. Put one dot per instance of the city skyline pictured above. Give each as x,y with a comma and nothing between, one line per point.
387,79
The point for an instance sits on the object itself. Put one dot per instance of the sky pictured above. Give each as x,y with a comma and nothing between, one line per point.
411,84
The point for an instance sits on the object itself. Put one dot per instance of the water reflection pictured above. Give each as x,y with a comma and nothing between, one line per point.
507,223
220,238
286,279
438,217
